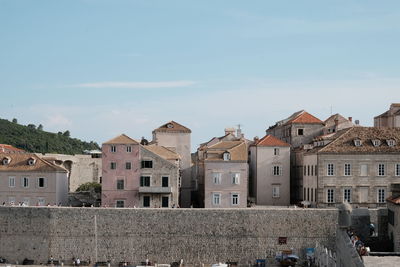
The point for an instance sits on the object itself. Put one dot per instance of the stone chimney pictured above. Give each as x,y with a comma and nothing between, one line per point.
230,131
357,122
395,190
351,119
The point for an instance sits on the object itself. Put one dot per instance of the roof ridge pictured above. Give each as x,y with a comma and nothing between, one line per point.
336,140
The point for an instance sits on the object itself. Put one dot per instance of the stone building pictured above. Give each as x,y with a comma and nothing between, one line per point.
393,204
270,171
222,172
29,179
81,168
139,175
176,137
390,118
355,165
336,123
298,129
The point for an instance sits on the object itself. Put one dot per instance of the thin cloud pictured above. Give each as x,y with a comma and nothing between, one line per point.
136,85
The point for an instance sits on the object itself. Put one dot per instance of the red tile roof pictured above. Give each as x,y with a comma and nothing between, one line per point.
173,126
394,200
304,117
9,148
270,140
122,140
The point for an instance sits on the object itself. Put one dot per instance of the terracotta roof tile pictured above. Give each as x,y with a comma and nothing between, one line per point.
394,200
270,140
163,152
173,126
9,148
237,149
19,162
304,117
122,139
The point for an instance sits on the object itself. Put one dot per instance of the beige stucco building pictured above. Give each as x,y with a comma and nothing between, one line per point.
270,171
28,179
177,138
390,118
356,165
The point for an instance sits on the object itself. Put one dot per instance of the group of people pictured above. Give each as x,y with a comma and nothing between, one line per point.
357,243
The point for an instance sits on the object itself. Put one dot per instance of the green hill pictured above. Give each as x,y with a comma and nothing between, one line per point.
34,139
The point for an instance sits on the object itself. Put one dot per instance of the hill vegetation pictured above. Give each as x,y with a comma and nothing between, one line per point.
34,139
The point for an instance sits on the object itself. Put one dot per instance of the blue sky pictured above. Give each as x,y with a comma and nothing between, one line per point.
101,68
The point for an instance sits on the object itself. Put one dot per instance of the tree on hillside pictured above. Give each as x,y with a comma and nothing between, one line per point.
14,120
31,126
40,127
67,133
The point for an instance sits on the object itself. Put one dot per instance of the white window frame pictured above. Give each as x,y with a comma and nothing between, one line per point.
44,182
235,199
276,151
113,149
347,195
119,183
376,142
390,142
128,149
126,165
216,178
347,169
235,178
25,182
330,195
275,191
227,156
381,169
11,181
330,169
216,199
357,142
381,195
113,164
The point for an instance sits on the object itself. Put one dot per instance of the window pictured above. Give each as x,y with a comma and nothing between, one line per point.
120,203
330,169
120,184
390,142
113,165
376,142
113,149
276,170
300,131
227,156
41,201
381,169
308,194
216,178
381,195
146,201
128,165
316,170
312,170
308,170
275,191
164,181
304,170
165,202
363,170
129,149
357,142
347,195
330,195
397,169
235,199
11,181
145,181
216,200
235,178
25,182
31,161
41,182
6,161
391,217
312,195
347,169
363,194
147,164
276,151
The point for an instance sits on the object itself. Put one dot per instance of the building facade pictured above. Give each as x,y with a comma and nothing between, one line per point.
270,171
355,165
177,138
390,118
136,175
32,181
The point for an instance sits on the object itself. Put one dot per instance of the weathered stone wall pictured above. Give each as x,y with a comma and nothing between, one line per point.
162,235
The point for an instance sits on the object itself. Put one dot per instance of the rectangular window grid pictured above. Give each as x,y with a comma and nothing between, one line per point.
330,196
235,199
235,178
381,195
381,169
216,198
216,178
145,181
330,169
347,169
347,195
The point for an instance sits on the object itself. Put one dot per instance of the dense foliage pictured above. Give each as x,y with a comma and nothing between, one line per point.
96,187
34,139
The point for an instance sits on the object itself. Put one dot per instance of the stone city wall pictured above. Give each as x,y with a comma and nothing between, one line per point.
161,235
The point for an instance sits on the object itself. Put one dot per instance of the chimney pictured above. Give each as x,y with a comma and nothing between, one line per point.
357,122
395,190
230,131
255,139
351,119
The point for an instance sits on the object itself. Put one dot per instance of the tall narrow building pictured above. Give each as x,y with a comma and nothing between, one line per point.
176,137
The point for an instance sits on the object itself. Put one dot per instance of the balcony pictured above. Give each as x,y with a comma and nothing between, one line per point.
155,189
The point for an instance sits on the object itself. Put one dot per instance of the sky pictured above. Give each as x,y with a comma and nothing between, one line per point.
102,68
